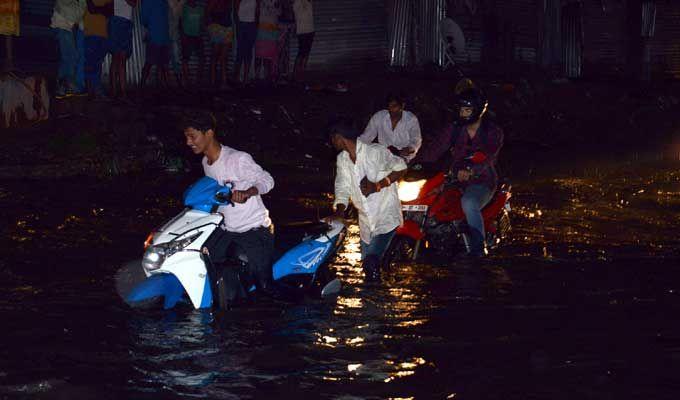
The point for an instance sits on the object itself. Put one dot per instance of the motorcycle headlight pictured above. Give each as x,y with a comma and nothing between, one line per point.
155,255
409,191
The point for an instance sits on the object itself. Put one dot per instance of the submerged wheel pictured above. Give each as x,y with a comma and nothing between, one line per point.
503,228
400,250
229,288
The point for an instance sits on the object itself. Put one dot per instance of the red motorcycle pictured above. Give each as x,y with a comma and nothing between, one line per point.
434,218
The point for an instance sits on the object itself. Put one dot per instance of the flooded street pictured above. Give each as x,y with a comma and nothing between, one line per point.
582,302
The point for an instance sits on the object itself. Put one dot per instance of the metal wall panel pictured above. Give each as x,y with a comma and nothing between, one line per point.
472,30
429,15
550,33
572,40
135,62
648,18
665,45
414,32
350,35
604,33
520,26
36,7
400,32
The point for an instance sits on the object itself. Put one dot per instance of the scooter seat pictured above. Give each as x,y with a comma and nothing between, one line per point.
297,230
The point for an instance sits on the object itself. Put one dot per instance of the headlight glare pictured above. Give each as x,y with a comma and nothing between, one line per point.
409,191
155,255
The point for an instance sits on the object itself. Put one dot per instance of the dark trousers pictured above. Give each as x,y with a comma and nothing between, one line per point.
258,246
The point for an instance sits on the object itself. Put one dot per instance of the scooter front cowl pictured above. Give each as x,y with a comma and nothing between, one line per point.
166,286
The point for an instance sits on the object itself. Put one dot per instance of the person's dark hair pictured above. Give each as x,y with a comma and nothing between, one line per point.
199,120
343,126
396,97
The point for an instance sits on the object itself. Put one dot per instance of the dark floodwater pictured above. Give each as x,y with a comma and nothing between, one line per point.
582,303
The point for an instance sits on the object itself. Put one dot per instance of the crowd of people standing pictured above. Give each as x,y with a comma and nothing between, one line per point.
175,32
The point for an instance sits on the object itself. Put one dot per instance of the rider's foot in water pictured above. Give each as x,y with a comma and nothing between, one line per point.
371,266
269,290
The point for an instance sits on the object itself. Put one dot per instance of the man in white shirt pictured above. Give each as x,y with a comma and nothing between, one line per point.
366,175
248,12
304,27
396,129
246,222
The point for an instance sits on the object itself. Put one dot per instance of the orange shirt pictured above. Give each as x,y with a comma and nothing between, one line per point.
95,24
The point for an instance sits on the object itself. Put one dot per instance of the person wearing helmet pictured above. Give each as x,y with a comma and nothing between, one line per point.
474,153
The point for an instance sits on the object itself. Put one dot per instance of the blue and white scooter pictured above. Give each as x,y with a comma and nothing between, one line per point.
176,267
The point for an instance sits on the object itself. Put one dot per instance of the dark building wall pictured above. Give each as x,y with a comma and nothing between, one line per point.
504,34
613,44
35,48
604,38
665,45
350,35
499,32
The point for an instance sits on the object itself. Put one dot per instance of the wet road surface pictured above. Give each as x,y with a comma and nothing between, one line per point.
581,303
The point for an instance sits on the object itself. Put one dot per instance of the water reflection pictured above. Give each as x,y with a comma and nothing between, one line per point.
455,328
582,217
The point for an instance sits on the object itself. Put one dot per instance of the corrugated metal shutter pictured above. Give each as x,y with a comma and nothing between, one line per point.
430,48
400,32
135,62
604,37
37,7
35,48
665,45
520,17
414,29
550,34
472,30
648,18
572,40
350,35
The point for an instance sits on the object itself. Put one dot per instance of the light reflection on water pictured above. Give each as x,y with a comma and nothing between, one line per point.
446,326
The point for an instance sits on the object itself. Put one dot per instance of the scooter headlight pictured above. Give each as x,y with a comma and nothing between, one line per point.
409,191
157,254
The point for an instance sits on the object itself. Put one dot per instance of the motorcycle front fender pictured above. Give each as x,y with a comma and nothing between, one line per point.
411,229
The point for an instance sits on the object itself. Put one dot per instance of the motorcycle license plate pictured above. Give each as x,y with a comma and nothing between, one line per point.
414,207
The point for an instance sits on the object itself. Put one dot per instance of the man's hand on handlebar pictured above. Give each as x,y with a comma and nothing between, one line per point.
241,196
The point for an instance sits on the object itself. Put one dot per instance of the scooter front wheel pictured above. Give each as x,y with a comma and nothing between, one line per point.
229,288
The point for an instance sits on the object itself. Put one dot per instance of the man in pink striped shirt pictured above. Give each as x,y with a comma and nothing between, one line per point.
246,222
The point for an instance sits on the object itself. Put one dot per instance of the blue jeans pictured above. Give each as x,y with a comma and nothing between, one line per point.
475,197
71,58
96,48
175,59
377,246
245,41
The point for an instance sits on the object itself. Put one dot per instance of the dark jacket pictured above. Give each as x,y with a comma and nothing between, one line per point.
488,140
450,147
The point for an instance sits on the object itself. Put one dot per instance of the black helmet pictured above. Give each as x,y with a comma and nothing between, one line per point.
475,99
